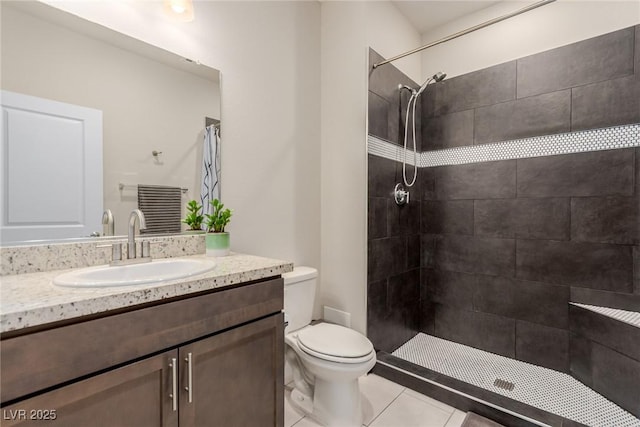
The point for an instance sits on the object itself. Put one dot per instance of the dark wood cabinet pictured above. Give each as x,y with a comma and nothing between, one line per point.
134,395
230,376
236,377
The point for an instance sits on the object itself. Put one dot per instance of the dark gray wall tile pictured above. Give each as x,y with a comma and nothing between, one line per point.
588,265
378,329
541,303
427,183
428,247
484,331
404,290
383,174
604,330
636,269
397,122
541,345
601,173
600,58
537,115
376,218
413,251
637,168
605,299
447,217
386,258
606,220
484,87
531,301
393,310
494,294
475,255
428,103
386,328
378,115
608,103
490,180
449,130
637,54
403,220
384,80
616,377
377,293
450,288
427,317
523,218
580,358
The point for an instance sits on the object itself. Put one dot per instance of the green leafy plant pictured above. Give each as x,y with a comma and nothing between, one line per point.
194,217
218,220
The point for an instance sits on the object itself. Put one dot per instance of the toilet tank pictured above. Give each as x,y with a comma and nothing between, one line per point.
299,294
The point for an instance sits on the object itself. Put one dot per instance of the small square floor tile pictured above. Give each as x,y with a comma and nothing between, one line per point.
291,414
408,411
456,419
430,400
377,394
307,422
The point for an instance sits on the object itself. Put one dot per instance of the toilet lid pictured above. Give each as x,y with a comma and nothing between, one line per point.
329,341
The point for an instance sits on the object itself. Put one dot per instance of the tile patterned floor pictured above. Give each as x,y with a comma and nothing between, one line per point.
386,404
546,389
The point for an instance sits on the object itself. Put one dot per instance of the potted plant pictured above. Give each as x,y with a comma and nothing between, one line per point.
194,217
217,240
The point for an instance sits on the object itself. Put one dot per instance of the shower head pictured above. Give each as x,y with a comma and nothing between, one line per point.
439,76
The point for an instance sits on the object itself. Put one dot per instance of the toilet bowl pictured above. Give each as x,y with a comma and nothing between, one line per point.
326,360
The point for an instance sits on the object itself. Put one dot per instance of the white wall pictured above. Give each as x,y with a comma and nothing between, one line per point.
348,29
556,24
268,53
390,33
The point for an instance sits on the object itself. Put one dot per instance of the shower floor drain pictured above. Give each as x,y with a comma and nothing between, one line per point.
549,390
504,384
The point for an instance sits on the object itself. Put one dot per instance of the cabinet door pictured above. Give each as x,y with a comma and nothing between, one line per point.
236,377
135,395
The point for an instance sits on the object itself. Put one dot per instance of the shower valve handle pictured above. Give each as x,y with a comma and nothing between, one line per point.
400,195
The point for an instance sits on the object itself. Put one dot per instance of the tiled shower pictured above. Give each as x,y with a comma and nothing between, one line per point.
494,254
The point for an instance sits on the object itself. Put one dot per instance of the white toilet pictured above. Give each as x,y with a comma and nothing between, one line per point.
326,360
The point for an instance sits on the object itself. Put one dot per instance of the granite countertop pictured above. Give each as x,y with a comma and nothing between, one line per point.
28,300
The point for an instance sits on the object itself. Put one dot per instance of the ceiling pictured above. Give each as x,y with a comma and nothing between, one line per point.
426,15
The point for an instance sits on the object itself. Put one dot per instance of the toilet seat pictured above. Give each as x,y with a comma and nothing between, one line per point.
335,343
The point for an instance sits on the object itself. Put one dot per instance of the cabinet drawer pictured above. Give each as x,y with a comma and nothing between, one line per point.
43,359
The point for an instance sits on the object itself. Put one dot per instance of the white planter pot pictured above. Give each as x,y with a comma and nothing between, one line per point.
218,244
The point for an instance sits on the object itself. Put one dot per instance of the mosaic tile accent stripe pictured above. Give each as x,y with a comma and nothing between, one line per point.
543,388
548,145
381,148
630,317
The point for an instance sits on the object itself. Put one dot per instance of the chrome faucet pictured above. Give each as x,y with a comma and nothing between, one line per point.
132,253
131,240
108,223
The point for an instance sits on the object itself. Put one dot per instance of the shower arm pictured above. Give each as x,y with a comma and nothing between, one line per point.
467,31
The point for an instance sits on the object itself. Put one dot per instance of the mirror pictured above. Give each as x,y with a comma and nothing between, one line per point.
154,103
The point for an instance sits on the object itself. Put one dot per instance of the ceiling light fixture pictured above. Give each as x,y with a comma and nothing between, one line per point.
179,10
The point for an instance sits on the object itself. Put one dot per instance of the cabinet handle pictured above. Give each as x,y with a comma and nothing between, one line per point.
174,382
189,386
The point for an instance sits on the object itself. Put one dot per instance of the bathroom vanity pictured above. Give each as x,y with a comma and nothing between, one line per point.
205,350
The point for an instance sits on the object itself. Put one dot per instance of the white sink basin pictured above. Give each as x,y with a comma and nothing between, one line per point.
134,274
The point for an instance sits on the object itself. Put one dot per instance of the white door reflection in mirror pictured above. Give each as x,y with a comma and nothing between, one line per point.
50,169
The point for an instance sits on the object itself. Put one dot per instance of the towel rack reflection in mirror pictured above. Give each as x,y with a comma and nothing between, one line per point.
122,186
